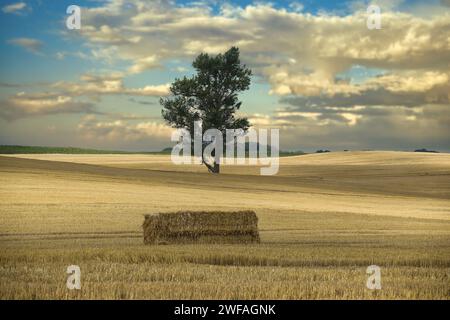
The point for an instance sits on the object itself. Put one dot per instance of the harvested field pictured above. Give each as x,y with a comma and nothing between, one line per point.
322,221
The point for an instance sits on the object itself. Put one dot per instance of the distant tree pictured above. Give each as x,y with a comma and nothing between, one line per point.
210,96
425,150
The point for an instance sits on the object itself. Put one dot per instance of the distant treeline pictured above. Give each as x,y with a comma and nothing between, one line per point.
425,150
8,149
63,150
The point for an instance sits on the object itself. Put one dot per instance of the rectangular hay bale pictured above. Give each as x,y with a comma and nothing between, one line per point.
201,227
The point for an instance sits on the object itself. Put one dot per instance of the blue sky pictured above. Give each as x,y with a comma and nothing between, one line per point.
321,76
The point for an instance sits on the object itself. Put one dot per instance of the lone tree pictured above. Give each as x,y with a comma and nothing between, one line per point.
210,96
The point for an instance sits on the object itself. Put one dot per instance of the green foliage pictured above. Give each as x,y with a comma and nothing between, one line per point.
291,153
211,95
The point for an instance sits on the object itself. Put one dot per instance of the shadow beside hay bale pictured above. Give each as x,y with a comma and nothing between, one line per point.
201,227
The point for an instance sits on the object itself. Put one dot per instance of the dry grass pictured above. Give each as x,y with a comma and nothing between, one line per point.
322,221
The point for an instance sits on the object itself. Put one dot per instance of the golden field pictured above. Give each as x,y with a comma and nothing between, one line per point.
323,220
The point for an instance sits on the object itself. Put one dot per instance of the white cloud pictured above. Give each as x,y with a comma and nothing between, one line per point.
270,40
110,84
296,6
15,8
29,44
144,64
153,91
93,129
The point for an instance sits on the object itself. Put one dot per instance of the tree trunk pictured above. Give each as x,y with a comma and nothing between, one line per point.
212,168
216,168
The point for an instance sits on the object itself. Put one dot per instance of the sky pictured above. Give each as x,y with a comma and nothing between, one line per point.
320,75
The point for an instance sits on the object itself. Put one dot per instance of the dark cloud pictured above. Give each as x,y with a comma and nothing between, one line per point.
397,129
377,97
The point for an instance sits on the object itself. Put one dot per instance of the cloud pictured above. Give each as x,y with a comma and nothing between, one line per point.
383,91
130,116
60,55
181,69
111,84
339,129
166,30
296,6
29,44
64,97
386,97
93,129
16,8
24,105
152,91
143,64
